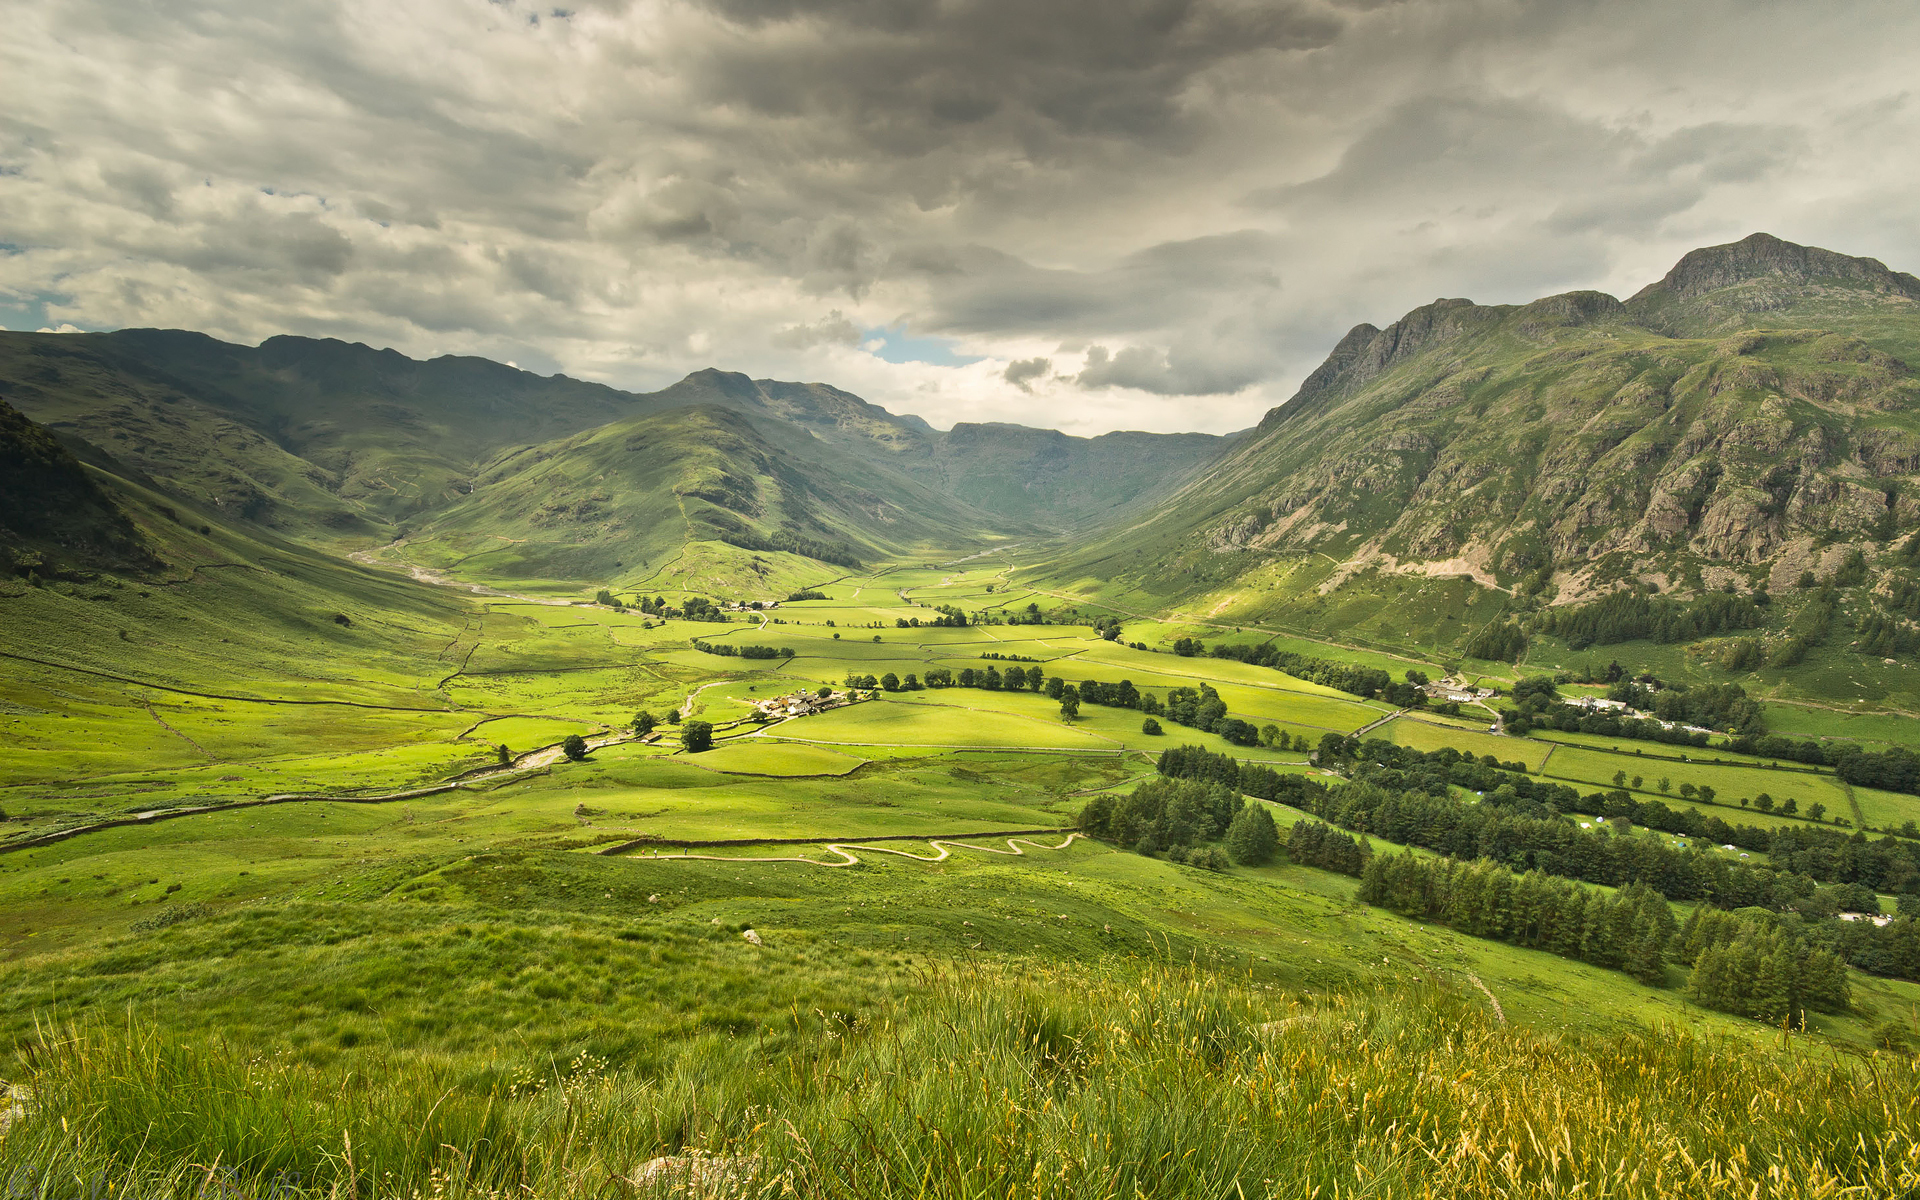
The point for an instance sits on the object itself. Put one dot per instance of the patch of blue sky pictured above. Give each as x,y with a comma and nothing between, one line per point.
25,312
895,346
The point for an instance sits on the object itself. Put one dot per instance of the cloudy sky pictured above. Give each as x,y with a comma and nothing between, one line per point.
1095,214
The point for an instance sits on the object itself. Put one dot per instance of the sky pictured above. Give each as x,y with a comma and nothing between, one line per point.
1122,214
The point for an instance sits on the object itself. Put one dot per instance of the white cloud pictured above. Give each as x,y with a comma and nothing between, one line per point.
1178,207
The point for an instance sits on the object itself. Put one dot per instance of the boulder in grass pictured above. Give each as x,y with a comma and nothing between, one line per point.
697,1173
752,937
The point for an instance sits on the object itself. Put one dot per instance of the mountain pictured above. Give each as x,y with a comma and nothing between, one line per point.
1741,421
345,446
303,436
619,501
54,518
1017,474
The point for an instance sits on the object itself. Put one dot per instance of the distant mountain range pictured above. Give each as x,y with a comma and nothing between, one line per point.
343,444
1745,420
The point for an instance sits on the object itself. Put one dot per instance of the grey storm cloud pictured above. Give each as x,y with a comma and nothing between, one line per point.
1023,372
1108,209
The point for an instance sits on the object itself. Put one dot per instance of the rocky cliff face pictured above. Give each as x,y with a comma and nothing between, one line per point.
1583,436
1765,257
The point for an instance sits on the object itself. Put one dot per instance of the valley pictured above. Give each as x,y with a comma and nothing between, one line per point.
389,767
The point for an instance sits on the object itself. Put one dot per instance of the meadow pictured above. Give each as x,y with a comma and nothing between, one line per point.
276,996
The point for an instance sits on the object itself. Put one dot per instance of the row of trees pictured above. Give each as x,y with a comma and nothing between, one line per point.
729,650
1199,708
791,542
1537,704
1627,930
1895,770
1754,964
1631,615
1318,844
1816,873
1181,816
1369,682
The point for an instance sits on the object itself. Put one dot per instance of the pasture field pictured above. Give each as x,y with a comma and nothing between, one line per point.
484,945
526,733
952,719
757,756
1875,730
1883,809
1422,736
1597,768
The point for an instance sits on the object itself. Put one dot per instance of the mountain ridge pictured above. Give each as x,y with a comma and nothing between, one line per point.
1694,437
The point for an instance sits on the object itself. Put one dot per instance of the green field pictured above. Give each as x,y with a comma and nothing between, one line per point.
1424,736
477,933
1731,784
742,757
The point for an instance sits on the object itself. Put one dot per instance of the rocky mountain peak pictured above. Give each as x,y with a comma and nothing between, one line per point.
1763,256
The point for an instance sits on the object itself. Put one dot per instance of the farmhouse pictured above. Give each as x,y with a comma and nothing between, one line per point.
798,704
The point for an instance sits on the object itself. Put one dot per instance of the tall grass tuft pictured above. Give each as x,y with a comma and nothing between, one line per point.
1156,1083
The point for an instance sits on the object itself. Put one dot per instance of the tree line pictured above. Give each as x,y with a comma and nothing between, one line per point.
1628,616
1198,708
1627,930
787,541
1356,680
1818,872
1760,965
1537,705
1181,817
728,650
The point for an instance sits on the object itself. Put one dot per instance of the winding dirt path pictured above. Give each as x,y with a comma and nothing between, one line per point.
1500,1014
944,847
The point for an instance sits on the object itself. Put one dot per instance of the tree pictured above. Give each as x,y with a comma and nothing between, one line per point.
1637,781
890,682
1790,806
673,716
1069,703
1665,785
697,736
823,691
1619,779
1763,802
1817,810
1056,687
1036,679
1269,734
575,747
506,756
644,723
1252,837
1150,726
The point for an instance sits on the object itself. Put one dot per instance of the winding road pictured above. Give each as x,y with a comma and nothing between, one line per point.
848,858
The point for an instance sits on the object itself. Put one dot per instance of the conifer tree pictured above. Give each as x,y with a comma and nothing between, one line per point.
1253,838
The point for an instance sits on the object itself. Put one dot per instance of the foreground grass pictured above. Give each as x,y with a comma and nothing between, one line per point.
1130,1081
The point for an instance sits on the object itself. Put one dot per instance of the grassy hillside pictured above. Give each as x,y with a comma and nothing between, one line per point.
1018,475
54,519
306,887
1743,426
393,435
457,989
622,501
